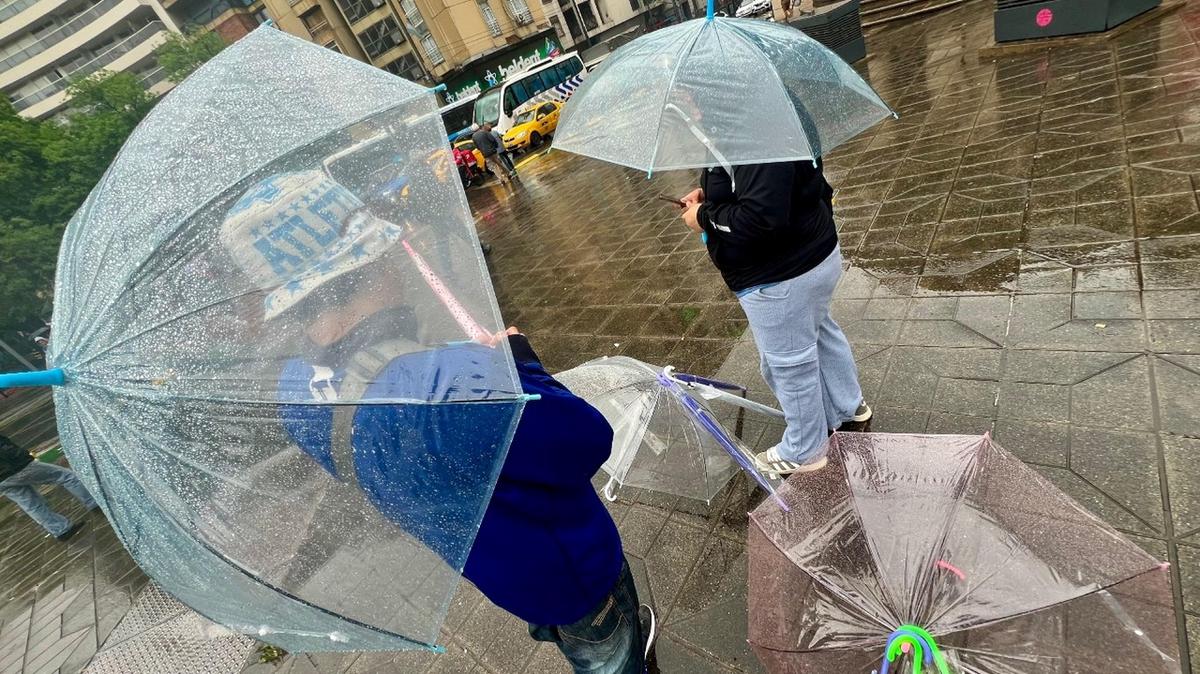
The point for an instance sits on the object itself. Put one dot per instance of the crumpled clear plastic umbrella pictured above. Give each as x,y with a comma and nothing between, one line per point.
279,465
717,91
665,436
948,551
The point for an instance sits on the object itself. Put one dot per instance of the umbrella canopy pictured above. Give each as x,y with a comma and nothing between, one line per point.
717,91
262,325
664,438
950,551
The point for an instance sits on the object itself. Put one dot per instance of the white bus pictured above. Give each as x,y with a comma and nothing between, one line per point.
457,115
552,79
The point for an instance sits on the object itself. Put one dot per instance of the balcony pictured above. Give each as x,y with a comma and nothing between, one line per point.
110,55
17,16
58,44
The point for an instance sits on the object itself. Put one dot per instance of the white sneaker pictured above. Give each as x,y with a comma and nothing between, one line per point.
649,623
771,463
862,414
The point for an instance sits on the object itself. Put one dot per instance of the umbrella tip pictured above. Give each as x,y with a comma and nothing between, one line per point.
54,377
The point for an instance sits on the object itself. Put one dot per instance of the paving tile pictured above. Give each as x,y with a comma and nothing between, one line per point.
1176,378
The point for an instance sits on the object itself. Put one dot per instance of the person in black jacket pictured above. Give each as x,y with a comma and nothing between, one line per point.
770,232
19,476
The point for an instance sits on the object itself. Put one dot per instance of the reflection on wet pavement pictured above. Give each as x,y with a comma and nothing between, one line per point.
1024,246
1025,259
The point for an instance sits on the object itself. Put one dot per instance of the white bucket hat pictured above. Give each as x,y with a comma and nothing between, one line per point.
295,231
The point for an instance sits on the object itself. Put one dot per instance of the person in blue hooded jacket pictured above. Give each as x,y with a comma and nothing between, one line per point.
547,549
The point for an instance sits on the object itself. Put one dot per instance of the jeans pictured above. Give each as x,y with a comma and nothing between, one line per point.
608,640
805,357
20,488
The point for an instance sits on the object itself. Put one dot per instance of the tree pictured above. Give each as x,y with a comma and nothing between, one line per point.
28,252
47,169
182,53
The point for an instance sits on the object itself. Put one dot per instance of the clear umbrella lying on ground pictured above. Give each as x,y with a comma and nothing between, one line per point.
913,553
665,438
717,91
283,209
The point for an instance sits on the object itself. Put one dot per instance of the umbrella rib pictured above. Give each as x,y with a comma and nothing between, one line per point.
667,93
233,564
754,49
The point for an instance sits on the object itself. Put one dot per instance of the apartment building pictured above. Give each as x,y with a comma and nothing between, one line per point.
588,25
44,43
231,19
427,41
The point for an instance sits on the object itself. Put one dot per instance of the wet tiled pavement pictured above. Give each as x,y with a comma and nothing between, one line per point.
1024,246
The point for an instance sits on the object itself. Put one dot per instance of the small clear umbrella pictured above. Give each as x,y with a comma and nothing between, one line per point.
946,554
665,436
717,91
265,333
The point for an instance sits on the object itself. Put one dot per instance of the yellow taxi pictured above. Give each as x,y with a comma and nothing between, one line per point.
532,126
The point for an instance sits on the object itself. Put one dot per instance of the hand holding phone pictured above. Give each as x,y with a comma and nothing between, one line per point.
677,202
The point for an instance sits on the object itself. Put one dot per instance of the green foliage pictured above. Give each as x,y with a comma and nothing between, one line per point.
47,169
182,53
28,251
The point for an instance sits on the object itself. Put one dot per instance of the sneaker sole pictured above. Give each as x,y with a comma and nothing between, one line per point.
862,418
800,468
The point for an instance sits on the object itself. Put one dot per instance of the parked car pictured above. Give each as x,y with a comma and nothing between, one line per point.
532,126
752,8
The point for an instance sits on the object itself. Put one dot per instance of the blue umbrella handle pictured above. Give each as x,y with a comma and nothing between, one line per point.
704,238
53,377
711,9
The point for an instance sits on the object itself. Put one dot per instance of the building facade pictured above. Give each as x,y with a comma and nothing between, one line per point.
427,41
231,19
596,27
45,43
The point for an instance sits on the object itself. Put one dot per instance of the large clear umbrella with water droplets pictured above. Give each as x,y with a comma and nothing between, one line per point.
717,92
272,351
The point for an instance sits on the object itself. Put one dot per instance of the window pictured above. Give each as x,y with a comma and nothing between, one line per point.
379,38
432,50
489,18
519,11
407,67
355,10
546,108
413,17
315,21
569,69
332,45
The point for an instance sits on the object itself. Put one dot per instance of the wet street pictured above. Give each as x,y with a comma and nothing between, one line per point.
1024,259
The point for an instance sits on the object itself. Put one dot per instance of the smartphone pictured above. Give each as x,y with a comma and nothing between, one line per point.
673,200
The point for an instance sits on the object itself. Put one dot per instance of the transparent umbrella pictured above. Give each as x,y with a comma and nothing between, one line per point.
268,349
947,554
665,436
717,91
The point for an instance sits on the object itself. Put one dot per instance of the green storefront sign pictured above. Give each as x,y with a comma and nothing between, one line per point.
490,70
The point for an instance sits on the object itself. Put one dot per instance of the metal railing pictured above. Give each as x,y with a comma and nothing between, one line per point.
153,77
14,8
111,54
432,50
489,17
519,11
78,23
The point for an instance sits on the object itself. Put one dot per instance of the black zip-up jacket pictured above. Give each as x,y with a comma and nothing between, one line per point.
12,458
777,224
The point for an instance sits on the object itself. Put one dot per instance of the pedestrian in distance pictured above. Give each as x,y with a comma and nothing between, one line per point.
21,475
769,230
491,145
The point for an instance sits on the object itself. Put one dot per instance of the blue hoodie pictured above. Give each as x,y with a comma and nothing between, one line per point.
546,550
